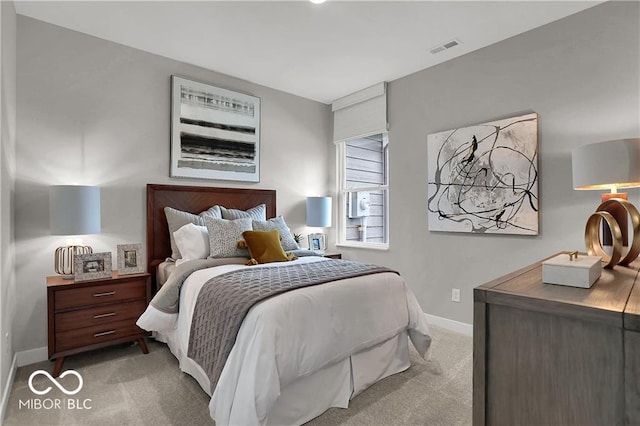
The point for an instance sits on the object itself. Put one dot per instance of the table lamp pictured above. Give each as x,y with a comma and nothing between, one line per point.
318,216
610,165
74,210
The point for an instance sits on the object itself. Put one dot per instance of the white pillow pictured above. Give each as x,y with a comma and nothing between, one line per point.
192,241
177,219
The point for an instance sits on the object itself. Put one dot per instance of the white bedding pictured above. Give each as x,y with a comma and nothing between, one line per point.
299,338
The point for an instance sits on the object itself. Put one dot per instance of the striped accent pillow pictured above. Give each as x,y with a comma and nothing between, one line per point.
255,213
176,219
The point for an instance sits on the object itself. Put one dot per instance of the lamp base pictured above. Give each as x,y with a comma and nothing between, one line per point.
619,213
594,243
64,259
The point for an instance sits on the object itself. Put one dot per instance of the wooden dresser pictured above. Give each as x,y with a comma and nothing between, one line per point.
546,354
92,314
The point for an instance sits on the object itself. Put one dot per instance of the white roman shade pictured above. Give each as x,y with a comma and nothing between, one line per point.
360,114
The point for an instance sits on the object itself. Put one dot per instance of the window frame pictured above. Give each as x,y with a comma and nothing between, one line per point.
343,192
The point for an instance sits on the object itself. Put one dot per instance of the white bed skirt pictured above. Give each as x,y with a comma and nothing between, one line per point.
332,386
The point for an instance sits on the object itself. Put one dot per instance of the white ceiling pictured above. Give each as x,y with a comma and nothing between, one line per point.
321,52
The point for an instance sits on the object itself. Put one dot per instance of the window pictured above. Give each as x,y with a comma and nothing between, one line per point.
360,132
363,191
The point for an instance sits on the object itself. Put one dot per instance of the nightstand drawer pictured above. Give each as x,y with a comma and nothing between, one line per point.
93,295
98,315
97,334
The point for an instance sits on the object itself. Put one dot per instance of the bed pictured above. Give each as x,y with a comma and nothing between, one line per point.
296,354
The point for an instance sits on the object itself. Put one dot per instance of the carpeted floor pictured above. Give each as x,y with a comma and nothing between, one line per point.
124,387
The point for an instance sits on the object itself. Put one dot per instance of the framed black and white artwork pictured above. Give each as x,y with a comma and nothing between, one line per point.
484,178
215,133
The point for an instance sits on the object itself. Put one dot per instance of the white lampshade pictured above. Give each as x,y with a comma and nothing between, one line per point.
607,165
74,210
319,212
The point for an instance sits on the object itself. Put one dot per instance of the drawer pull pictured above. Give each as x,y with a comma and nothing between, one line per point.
104,333
110,314
108,293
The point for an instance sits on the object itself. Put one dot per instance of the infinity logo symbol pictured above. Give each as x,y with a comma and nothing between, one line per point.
55,382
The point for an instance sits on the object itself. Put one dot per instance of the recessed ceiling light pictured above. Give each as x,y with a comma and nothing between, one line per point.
317,1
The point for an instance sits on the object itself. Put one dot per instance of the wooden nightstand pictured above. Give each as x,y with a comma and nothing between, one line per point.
93,314
333,255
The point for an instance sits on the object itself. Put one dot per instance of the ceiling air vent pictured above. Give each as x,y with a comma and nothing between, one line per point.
442,47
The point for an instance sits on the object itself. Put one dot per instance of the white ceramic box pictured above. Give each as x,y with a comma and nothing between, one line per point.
582,271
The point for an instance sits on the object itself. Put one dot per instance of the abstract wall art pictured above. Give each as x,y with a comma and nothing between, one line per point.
215,133
484,178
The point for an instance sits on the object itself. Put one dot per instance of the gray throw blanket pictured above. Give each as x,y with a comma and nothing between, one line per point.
224,301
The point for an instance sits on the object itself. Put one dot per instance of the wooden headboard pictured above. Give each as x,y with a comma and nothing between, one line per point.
192,199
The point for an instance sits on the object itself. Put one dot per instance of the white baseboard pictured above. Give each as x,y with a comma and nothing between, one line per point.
457,326
32,356
6,392
20,359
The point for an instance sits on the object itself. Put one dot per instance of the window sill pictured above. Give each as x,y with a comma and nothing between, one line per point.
369,246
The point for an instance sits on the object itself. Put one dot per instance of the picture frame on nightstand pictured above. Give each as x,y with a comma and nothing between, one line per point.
92,266
317,242
131,259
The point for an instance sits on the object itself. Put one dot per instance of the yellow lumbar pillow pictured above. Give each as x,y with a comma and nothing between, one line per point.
264,246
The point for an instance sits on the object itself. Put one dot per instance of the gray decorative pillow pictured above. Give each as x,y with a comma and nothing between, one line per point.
176,219
256,213
278,223
224,235
305,252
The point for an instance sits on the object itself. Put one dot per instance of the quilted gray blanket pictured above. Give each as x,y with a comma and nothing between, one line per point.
224,301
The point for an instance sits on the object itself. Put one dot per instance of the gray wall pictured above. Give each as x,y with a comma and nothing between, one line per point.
580,74
94,112
97,113
7,172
